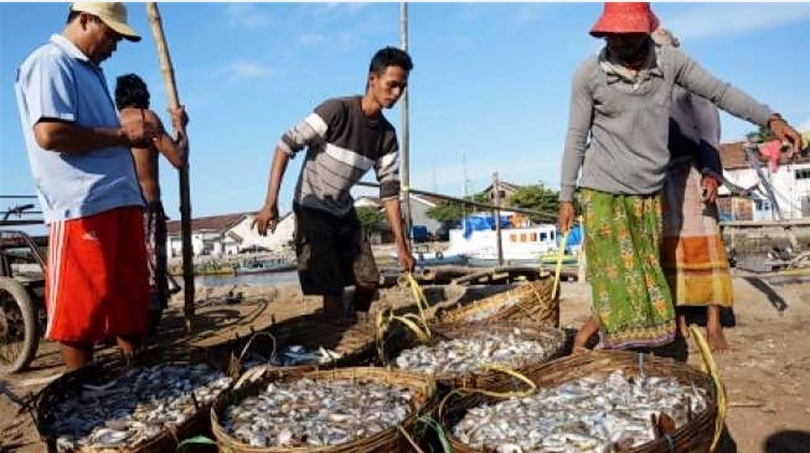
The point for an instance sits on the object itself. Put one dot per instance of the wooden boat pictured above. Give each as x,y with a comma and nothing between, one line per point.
265,265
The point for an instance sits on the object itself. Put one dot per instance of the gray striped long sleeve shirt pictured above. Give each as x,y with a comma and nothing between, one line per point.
342,145
628,122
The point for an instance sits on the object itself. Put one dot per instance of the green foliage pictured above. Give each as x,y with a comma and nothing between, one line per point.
452,211
370,217
536,197
762,135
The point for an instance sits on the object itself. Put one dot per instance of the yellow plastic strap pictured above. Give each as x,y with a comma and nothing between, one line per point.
710,367
493,367
419,297
558,267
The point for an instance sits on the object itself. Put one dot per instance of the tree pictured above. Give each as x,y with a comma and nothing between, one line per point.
536,197
447,211
762,135
369,217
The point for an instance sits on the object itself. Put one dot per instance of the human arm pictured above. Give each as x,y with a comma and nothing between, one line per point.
70,138
579,127
393,212
175,150
267,216
707,122
693,77
387,170
306,131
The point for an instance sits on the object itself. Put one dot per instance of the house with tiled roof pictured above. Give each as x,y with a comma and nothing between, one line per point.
790,183
229,234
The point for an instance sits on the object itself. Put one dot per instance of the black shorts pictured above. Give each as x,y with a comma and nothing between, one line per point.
333,252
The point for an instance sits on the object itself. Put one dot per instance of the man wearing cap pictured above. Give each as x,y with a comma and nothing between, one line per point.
97,280
621,100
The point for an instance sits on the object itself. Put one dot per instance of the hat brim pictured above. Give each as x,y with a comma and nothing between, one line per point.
122,29
630,23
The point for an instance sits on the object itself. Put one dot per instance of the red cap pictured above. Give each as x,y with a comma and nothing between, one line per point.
625,17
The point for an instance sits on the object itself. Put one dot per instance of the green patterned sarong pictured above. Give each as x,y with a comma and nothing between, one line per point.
631,298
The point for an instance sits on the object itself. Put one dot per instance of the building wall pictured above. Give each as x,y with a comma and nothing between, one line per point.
791,184
419,216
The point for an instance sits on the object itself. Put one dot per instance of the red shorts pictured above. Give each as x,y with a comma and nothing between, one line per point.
97,281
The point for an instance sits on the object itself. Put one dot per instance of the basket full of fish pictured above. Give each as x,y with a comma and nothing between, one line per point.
347,410
473,355
600,402
112,407
529,301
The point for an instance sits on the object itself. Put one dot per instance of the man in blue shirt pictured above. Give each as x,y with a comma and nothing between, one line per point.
97,278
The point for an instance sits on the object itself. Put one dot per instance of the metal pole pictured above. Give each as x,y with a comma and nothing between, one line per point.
185,196
496,187
404,168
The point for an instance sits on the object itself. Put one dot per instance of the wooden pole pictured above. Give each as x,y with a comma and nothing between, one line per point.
496,187
185,197
405,169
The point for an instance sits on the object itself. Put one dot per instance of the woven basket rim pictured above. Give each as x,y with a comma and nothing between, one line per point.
426,386
112,368
495,301
607,361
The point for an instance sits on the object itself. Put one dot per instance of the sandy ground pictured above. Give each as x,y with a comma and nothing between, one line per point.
767,372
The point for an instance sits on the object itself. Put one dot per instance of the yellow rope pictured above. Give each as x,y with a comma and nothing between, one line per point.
558,266
419,295
494,367
710,367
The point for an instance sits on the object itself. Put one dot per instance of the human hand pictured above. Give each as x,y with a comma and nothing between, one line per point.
709,188
405,259
179,117
784,132
565,219
267,218
138,130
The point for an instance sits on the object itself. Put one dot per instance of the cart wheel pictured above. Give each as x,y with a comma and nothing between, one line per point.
19,336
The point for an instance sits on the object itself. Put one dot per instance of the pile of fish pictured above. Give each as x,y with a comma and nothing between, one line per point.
135,407
588,415
294,356
462,356
309,412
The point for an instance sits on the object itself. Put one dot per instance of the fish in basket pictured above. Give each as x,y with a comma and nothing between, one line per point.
474,355
108,406
344,410
601,402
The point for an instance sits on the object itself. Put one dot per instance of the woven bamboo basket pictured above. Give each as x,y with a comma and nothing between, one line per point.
526,301
693,437
492,379
101,372
390,440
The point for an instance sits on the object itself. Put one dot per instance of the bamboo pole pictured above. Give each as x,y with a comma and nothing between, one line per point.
405,168
185,197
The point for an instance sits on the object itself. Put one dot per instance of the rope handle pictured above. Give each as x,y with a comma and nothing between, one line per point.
250,343
418,295
430,422
494,367
409,439
558,266
196,440
710,367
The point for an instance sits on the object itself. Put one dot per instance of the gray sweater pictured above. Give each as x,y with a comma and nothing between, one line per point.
628,121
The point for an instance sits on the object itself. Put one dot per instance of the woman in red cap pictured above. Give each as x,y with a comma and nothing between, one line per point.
618,138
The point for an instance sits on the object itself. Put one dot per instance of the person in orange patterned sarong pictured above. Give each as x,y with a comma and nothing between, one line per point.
693,255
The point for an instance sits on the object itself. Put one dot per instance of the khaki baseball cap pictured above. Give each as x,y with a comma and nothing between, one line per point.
114,14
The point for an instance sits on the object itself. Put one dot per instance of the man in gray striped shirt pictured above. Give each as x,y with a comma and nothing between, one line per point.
345,137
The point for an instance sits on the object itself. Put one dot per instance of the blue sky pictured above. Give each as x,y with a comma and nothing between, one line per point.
490,85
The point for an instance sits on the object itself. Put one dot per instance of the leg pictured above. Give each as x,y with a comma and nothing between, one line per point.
333,307
76,355
714,330
584,334
363,296
683,326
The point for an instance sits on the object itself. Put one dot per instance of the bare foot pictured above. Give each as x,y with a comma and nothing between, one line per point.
580,350
716,339
683,327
